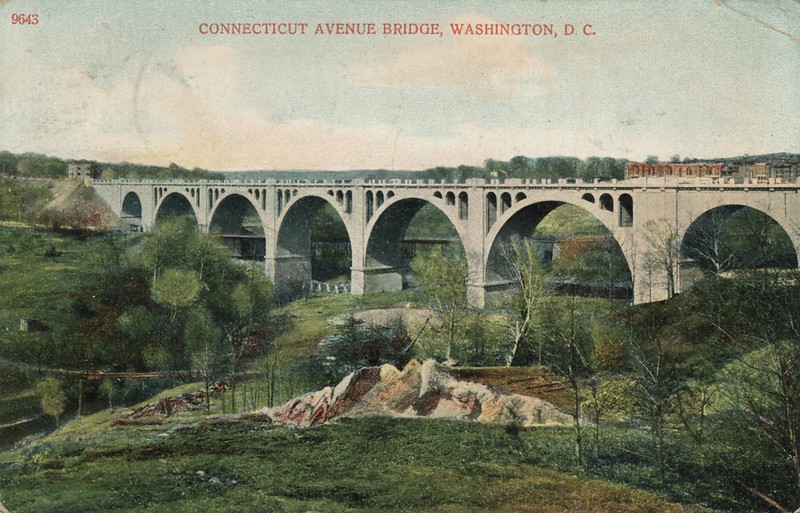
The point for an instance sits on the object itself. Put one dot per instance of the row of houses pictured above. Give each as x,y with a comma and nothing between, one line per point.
761,172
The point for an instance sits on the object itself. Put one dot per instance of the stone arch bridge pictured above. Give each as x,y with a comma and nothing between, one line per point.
483,213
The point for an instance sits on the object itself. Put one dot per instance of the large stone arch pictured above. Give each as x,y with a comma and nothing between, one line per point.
228,219
293,251
521,220
384,234
175,204
703,239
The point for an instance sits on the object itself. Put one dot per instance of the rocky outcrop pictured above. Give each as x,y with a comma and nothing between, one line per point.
419,390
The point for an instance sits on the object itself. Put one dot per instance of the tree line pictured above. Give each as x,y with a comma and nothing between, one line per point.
34,165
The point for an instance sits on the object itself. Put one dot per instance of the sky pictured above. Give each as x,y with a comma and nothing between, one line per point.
137,81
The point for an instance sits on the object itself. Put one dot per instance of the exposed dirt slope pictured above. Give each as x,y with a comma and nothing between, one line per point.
419,390
75,204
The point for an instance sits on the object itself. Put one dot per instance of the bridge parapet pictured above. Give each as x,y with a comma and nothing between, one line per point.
660,184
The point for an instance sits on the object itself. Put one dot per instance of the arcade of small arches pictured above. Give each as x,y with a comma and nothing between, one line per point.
271,221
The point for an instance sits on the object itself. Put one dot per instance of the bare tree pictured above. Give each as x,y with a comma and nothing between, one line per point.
663,254
525,269
704,242
762,391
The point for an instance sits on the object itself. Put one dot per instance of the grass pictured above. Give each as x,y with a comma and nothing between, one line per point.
311,316
34,285
367,465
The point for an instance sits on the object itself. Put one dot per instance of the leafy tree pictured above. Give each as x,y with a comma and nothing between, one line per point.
596,264
8,163
107,389
365,344
40,166
52,397
442,276
176,290
250,303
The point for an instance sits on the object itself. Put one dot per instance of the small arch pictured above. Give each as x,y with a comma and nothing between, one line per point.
379,199
330,192
348,202
505,202
588,197
280,201
370,205
450,199
491,210
625,210
463,206
520,197
339,197
437,194
389,194
607,202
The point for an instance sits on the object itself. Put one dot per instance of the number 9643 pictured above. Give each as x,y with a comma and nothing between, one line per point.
24,19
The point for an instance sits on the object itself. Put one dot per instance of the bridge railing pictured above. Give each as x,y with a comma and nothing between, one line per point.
322,287
645,182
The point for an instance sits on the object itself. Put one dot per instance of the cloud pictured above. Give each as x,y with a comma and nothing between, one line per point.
489,66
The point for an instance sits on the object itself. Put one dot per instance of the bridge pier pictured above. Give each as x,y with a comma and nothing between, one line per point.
375,279
289,273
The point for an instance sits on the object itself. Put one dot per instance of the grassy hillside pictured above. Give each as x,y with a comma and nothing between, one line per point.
370,465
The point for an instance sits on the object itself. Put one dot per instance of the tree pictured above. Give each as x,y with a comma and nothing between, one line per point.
203,340
524,265
249,304
662,255
760,407
107,389
656,372
571,354
442,276
176,290
704,242
52,397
